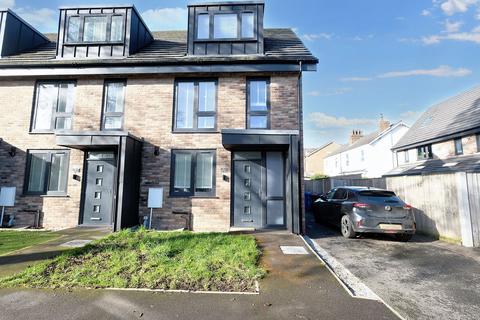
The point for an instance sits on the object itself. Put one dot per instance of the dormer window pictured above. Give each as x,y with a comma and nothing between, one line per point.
92,28
226,26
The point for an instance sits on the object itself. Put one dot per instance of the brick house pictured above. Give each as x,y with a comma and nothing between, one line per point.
94,116
446,138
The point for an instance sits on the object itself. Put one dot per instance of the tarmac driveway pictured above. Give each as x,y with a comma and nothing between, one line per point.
421,279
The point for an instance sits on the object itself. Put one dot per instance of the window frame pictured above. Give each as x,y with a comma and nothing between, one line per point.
196,112
193,174
45,191
211,26
338,190
477,137
429,154
81,30
458,151
266,113
406,156
55,114
104,106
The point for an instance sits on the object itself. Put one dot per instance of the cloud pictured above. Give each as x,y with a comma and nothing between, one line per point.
44,19
7,4
348,79
451,27
425,13
410,116
323,121
334,92
450,7
166,19
442,71
473,36
317,36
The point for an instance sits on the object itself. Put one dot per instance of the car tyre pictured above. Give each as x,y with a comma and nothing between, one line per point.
404,237
347,227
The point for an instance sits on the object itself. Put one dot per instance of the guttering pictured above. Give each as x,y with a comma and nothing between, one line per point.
154,69
443,138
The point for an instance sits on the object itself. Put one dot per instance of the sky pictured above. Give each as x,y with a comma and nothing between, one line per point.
390,57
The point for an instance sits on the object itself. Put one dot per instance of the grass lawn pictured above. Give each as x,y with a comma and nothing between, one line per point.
14,240
150,259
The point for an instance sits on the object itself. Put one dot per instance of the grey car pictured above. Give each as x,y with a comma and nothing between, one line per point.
359,210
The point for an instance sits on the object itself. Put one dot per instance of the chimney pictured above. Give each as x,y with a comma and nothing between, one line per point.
383,124
355,136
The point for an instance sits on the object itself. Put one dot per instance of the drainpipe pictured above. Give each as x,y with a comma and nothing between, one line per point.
301,160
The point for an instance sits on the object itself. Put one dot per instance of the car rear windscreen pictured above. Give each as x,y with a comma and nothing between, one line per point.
379,196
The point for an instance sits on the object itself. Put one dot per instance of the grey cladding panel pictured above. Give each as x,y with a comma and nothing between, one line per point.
235,46
18,36
212,48
135,34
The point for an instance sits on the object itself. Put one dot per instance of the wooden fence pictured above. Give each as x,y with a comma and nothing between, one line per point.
446,206
324,185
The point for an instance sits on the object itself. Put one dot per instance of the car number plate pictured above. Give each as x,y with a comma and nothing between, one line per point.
385,226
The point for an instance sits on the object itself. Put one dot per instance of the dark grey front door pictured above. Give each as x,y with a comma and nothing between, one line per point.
99,189
248,208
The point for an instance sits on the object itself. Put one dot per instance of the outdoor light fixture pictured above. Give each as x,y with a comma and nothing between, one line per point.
12,152
156,151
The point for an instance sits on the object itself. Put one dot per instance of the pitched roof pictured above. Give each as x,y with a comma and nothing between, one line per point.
367,139
455,115
281,45
311,151
470,163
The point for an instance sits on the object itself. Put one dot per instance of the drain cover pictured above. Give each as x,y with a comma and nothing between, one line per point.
293,250
75,243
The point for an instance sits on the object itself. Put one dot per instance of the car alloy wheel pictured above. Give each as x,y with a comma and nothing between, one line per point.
346,227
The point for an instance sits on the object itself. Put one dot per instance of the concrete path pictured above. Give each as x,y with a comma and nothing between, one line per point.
297,287
18,260
421,279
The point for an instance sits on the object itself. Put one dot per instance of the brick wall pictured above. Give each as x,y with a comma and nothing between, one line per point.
148,115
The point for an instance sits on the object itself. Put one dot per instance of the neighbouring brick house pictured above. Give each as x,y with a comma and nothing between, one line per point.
438,170
448,132
94,116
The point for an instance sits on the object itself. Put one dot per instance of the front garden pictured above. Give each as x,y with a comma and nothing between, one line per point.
150,259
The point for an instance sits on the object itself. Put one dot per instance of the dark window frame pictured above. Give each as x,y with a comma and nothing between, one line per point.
266,113
196,112
211,26
81,30
424,152
36,92
45,191
113,114
477,136
193,173
458,148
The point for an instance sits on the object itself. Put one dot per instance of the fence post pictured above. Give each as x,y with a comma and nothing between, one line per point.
464,209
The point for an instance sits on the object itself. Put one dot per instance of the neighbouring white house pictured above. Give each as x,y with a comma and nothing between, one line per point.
368,156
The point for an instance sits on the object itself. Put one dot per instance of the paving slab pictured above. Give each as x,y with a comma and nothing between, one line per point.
296,287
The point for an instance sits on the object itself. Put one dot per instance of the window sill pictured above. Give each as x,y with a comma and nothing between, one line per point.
193,197
46,195
194,131
41,132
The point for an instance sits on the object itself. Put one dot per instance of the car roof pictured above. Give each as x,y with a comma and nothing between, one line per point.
360,188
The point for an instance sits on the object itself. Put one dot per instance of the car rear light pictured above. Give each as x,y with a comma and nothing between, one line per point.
407,207
361,205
